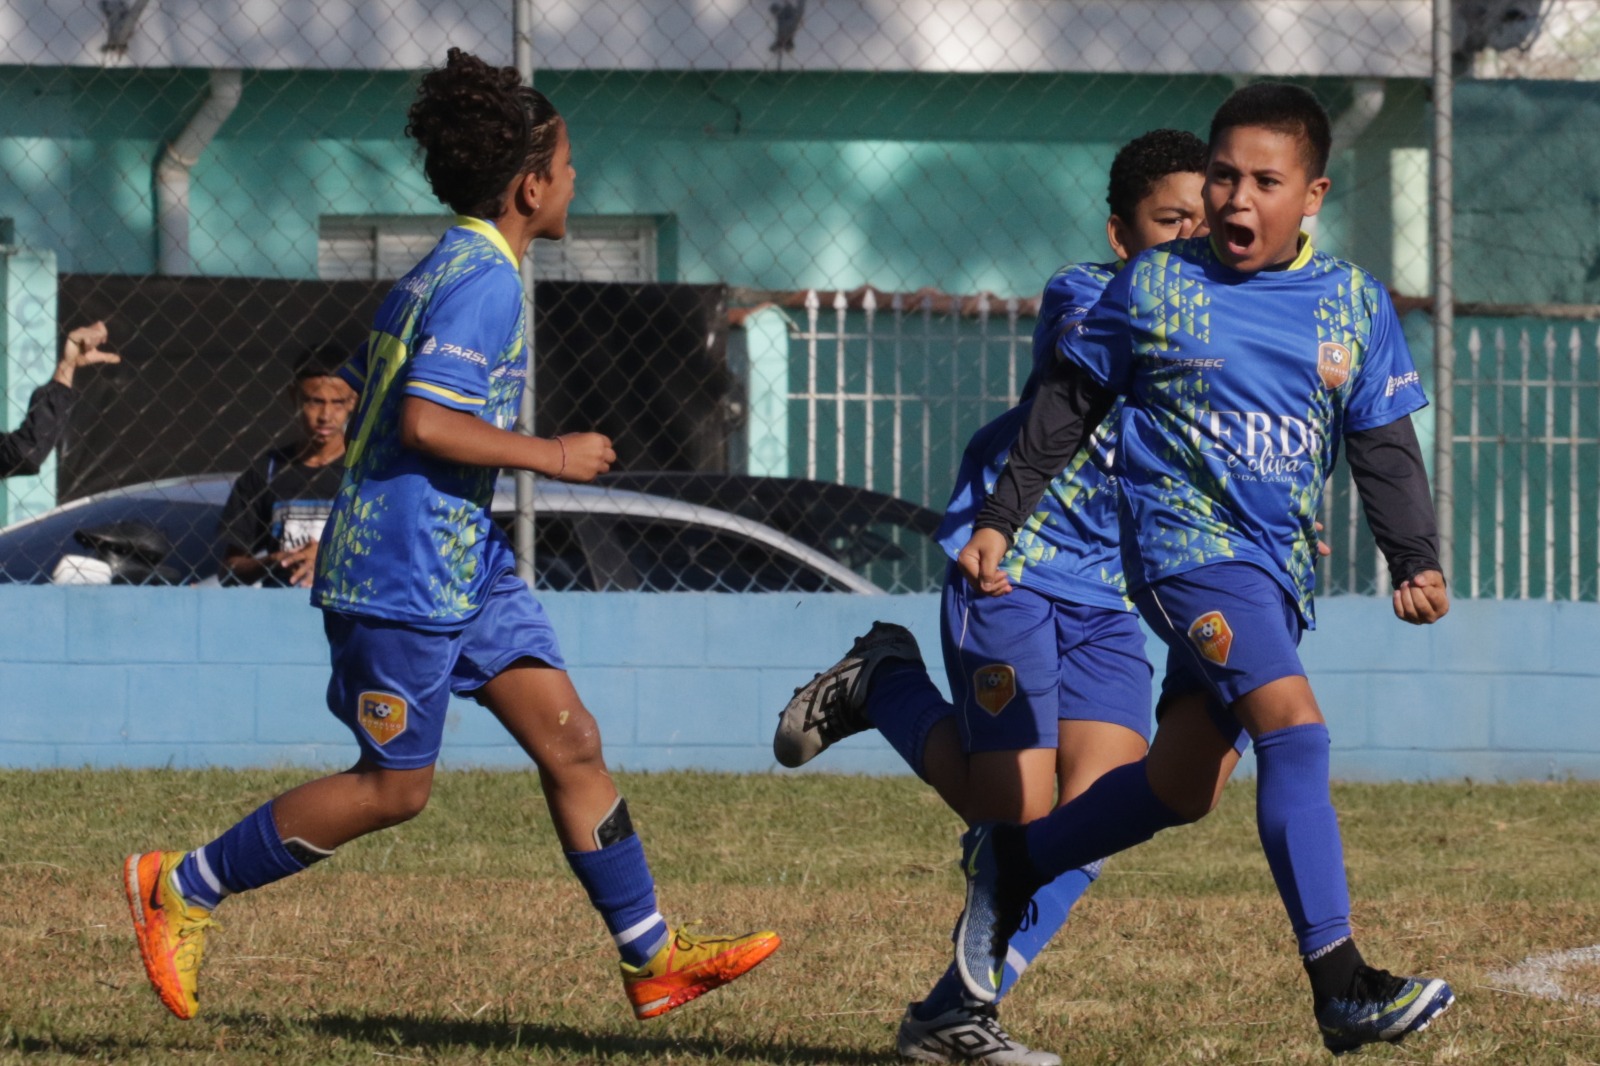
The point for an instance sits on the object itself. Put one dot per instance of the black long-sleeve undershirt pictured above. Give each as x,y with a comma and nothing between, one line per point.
1393,485
1067,409
24,450
1386,462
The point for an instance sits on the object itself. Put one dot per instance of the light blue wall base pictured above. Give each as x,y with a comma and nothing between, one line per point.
221,677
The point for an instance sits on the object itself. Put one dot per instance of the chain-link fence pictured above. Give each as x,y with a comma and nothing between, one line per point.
802,268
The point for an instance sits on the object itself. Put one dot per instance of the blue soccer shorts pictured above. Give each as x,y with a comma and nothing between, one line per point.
1229,628
392,683
1021,663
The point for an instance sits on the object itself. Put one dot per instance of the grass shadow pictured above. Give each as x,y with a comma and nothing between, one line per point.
386,1031
78,1047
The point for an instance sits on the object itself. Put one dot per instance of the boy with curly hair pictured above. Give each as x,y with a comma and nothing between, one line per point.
418,587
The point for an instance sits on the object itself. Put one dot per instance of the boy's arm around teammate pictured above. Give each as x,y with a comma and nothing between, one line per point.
1067,409
1071,402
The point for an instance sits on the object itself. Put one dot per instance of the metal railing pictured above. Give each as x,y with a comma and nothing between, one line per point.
1528,442
886,388
907,380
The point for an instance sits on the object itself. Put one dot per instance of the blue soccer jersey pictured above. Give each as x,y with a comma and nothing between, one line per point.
1068,547
410,537
1238,390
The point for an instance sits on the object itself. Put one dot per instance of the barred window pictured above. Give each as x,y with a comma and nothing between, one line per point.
600,248
597,247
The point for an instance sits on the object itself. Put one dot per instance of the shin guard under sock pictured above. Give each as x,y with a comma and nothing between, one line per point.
617,879
249,855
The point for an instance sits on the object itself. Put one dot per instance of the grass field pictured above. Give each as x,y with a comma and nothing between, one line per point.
461,937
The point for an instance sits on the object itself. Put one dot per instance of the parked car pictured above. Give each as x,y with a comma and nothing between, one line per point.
694,533
856,526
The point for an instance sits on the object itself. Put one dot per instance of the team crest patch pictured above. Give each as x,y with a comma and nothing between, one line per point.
994,686
382,715
1213,636
1333,364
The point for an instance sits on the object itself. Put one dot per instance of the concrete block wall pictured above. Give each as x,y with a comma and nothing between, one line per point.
224,677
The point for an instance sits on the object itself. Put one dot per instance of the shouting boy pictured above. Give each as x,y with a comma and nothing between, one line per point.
1244,361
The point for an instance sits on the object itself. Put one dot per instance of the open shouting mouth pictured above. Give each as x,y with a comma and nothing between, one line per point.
1237,240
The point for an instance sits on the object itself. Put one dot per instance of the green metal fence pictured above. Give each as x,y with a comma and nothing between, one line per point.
883,391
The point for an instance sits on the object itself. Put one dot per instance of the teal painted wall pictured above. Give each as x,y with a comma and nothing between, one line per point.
780,180
1528,192
80,149
773,180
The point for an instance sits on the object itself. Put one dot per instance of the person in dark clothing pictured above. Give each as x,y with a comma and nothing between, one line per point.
274,516
24,450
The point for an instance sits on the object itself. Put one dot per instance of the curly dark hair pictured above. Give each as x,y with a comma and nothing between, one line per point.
1147,159
478,127
1288,109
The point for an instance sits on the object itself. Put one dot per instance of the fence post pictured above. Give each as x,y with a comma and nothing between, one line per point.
841,305
766,334
813,309
27,356
1444,341
869,313
523,524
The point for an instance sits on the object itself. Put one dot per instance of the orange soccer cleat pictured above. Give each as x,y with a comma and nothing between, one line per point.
171,932
688,966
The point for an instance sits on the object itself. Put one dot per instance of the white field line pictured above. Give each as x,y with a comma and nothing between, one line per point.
1540,975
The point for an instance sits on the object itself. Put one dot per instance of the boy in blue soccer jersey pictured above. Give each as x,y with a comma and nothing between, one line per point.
418,586
1051,684
1244,361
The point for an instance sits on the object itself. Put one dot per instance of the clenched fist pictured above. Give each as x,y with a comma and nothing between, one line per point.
585,456
979,562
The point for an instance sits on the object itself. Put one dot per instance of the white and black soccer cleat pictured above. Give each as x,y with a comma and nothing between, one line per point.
969,1032
832,705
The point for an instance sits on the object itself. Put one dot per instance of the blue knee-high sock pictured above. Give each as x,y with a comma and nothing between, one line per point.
1047,913
249,855
947,993
1300,833
617,879
904,705
1115,813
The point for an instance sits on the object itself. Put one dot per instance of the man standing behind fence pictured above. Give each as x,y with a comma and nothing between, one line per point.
274,516
24,450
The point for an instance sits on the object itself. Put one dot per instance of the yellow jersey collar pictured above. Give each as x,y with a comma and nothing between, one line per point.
1306,252
488,232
